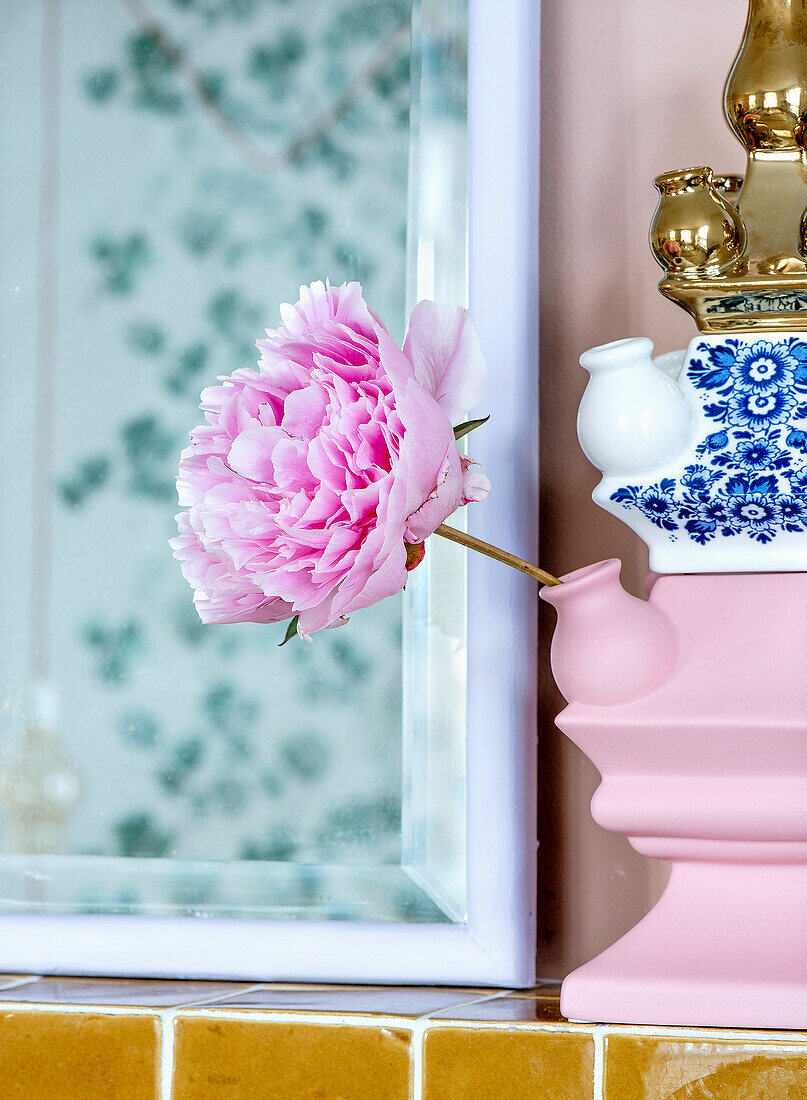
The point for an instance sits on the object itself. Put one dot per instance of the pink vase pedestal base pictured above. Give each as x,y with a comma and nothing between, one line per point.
723,947
693,706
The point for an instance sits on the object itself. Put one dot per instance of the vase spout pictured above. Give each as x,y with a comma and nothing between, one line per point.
609,647
633,416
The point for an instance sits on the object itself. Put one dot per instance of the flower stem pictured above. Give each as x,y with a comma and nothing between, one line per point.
494,552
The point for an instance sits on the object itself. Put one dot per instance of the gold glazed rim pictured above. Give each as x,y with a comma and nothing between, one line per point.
686,179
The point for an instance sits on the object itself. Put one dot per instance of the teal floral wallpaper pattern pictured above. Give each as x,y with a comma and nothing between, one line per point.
211,156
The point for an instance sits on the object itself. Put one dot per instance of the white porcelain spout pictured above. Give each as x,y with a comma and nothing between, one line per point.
633,416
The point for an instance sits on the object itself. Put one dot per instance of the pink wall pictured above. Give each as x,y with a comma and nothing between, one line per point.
630,89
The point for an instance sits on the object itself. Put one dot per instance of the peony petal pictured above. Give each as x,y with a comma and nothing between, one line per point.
219,595
251,453
396,365
442,345
432,463
442,502
475,486
311,472
303,412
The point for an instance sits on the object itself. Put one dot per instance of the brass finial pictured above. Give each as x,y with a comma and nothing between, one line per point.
753,273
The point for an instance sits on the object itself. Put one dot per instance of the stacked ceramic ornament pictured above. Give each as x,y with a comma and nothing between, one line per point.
693,704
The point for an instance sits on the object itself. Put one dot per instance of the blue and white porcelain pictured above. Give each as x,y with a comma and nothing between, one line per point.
704,453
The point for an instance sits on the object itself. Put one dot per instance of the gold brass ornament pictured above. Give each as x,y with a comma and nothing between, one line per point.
728,186
695,230
735,247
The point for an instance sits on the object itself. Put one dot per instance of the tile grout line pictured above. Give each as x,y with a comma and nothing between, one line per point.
381,1020
74,1009
419,1028
706,1033
598,1033
431,1015
167,1017
215,1010
211,1002
25,979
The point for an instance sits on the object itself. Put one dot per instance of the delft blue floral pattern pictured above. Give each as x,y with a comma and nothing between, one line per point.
751,477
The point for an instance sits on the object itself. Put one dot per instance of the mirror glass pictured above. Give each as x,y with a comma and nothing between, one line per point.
172,171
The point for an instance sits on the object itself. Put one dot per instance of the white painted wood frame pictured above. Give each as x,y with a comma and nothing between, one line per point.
496,944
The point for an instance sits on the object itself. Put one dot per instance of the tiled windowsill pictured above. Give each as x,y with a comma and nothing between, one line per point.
105,1039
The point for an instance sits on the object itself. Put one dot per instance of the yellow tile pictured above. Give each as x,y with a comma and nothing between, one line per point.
78,1056
219,1059
655,1069
472,1063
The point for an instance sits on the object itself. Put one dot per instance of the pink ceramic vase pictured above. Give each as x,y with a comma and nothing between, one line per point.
640,652
692,705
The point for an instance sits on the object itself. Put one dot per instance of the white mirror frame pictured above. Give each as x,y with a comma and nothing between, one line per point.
495,945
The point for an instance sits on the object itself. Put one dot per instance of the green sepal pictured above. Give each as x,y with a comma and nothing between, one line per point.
469,426
291,630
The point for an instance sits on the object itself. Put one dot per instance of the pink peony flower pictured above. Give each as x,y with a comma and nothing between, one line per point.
313,471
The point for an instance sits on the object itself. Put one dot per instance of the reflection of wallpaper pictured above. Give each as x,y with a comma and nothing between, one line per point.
210,156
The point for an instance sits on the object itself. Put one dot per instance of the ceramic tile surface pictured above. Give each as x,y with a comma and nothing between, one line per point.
7,980
61,1056
119,991
505,1045
221,1059
539,1007
500,1064
745,1069
407,1001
